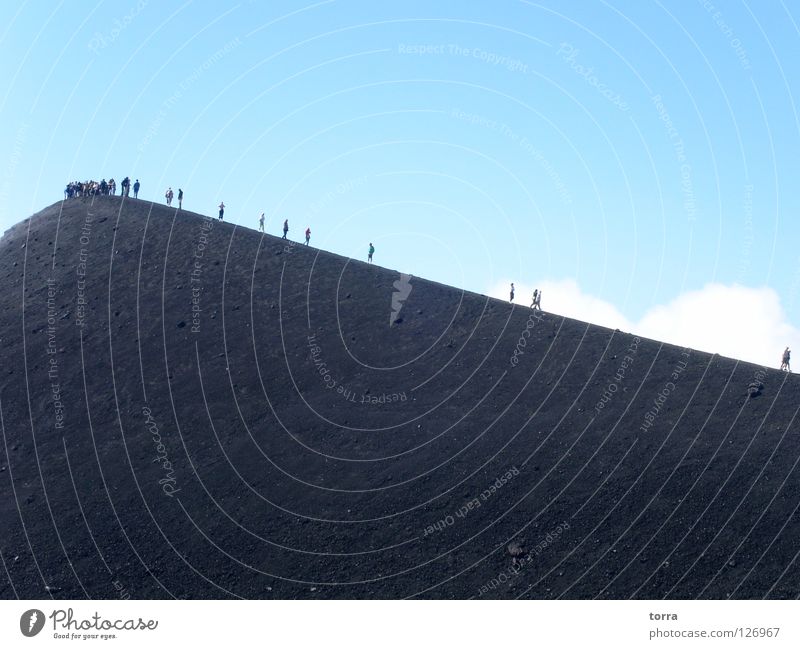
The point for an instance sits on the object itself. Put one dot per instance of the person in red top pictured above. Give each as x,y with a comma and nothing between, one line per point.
308,235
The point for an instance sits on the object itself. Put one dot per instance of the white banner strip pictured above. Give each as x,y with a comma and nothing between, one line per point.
379,624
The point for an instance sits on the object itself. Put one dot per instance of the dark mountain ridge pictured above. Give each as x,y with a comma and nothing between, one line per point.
194,409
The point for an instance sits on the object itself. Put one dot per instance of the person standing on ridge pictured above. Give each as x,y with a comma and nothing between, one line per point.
285,228
221,210
511,299
785,360
533,299
261,222
371,251
180,198
169,196
136,186
308,235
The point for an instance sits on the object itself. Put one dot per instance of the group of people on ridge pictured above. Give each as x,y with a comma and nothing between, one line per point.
307,233
536,304
285,228
77,188
93,188
536,301
169,195
85,188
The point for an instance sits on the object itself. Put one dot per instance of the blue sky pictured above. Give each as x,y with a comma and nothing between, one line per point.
642,151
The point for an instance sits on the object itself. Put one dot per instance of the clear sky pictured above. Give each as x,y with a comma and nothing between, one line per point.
637,160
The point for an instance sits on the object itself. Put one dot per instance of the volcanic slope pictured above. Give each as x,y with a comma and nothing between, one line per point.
196,410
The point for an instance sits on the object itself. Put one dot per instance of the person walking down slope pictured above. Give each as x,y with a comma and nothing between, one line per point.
261,222
511,299
169,196
180,198
285,228
785,360
308,235
136,186
371,252
221,210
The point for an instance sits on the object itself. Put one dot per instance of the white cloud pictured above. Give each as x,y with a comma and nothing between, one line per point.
731,320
